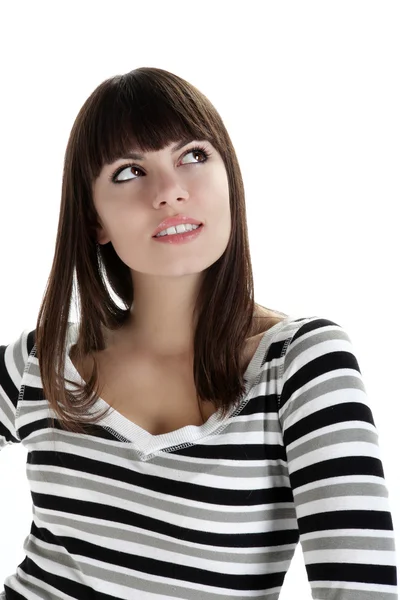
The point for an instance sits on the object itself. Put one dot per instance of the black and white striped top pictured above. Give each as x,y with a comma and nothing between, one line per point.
211,512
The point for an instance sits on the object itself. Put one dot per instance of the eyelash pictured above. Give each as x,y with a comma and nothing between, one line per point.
201,149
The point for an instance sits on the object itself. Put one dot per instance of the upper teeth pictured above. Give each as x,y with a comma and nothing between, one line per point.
178,229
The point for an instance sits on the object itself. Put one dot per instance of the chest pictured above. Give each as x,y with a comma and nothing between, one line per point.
159,397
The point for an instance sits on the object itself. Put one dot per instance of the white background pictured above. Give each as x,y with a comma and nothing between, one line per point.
310,94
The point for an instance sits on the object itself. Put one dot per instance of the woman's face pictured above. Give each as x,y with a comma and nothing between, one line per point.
133,196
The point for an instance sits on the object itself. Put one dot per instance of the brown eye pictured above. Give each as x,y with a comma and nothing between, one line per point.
197,151
120,170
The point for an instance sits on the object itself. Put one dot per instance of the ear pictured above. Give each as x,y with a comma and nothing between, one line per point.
103,240
102,237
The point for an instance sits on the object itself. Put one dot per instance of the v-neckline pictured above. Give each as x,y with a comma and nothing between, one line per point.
146,444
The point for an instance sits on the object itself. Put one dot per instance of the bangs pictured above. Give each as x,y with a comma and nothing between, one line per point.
131,116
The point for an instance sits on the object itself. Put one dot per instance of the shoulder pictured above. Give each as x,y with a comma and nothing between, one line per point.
314,341
309,331
15,354
317,353
13,362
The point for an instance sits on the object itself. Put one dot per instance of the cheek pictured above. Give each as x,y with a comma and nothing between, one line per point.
124,226
223,187
217,187
223,197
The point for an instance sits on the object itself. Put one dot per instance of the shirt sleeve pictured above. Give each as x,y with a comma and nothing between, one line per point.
335,468
13,359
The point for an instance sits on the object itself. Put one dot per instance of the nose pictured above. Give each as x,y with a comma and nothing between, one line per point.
168,188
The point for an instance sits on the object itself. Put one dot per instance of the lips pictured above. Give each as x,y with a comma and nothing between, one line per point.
174,221
177,235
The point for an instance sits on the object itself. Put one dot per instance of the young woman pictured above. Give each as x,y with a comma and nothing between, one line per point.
182,439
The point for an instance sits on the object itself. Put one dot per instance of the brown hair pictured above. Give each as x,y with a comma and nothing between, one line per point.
146,109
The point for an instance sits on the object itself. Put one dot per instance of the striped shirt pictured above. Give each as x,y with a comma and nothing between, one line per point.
210,512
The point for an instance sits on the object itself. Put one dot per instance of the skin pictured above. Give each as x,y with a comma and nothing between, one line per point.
166,277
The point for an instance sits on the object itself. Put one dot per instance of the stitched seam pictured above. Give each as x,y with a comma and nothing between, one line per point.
284,354
281,369
22,389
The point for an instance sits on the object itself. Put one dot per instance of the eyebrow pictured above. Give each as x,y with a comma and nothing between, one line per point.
136,156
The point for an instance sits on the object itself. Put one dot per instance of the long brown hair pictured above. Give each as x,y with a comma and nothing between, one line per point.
146,109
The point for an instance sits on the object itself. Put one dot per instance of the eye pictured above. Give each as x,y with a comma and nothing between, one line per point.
132,167
198,150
